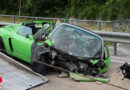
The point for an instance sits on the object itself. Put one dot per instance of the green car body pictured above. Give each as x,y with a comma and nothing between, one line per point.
17,45
22,46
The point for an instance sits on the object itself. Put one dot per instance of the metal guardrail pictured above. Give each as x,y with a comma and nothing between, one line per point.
5,23
115,37
123,24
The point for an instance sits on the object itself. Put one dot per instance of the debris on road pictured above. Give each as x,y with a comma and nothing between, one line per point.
82,78
125,70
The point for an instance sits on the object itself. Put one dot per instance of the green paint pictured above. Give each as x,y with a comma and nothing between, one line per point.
21,45
93,61
106,61
58,23
82,78
50,44
37,22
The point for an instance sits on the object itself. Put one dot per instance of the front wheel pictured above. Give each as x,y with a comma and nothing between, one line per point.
38,67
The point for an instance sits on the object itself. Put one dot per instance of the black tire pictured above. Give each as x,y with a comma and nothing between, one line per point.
2,46
38,67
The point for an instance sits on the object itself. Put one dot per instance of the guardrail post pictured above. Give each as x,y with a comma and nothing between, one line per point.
36,18
123,25
113,26
14,19
115,48
99,25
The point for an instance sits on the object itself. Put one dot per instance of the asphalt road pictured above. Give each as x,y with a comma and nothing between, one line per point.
57,83
123,53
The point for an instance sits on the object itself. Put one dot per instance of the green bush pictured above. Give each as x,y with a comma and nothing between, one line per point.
82,9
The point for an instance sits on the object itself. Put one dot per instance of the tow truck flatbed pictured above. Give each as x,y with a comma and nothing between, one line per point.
17,76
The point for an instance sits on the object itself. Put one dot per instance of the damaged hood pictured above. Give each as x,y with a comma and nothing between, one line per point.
77,42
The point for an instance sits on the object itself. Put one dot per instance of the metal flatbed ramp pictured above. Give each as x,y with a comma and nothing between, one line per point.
17,76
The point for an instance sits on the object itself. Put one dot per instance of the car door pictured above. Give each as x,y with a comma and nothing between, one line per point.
20,43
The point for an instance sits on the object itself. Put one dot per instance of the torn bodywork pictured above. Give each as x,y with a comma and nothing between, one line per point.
78,50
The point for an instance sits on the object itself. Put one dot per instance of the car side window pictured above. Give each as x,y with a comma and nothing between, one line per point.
24,31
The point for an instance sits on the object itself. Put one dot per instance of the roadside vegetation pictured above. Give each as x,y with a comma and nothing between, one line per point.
79,9
82,9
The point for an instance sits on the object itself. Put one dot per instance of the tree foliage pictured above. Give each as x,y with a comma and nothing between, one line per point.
83,9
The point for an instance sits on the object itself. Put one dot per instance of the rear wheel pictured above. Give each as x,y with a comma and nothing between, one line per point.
38,67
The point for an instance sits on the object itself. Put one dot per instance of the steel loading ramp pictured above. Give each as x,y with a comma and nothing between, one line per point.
17,76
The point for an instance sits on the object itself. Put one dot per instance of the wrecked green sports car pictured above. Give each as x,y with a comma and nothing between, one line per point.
65,45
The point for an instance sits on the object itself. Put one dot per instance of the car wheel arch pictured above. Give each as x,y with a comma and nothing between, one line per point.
37,66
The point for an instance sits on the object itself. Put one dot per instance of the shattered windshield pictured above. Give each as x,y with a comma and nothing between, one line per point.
77,42
41,32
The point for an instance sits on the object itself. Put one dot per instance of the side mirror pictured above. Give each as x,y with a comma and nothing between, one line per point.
30,37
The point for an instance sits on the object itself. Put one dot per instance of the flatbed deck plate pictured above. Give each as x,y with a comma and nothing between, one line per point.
17,76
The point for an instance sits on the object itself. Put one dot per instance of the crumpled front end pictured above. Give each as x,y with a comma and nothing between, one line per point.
73,64
78,50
